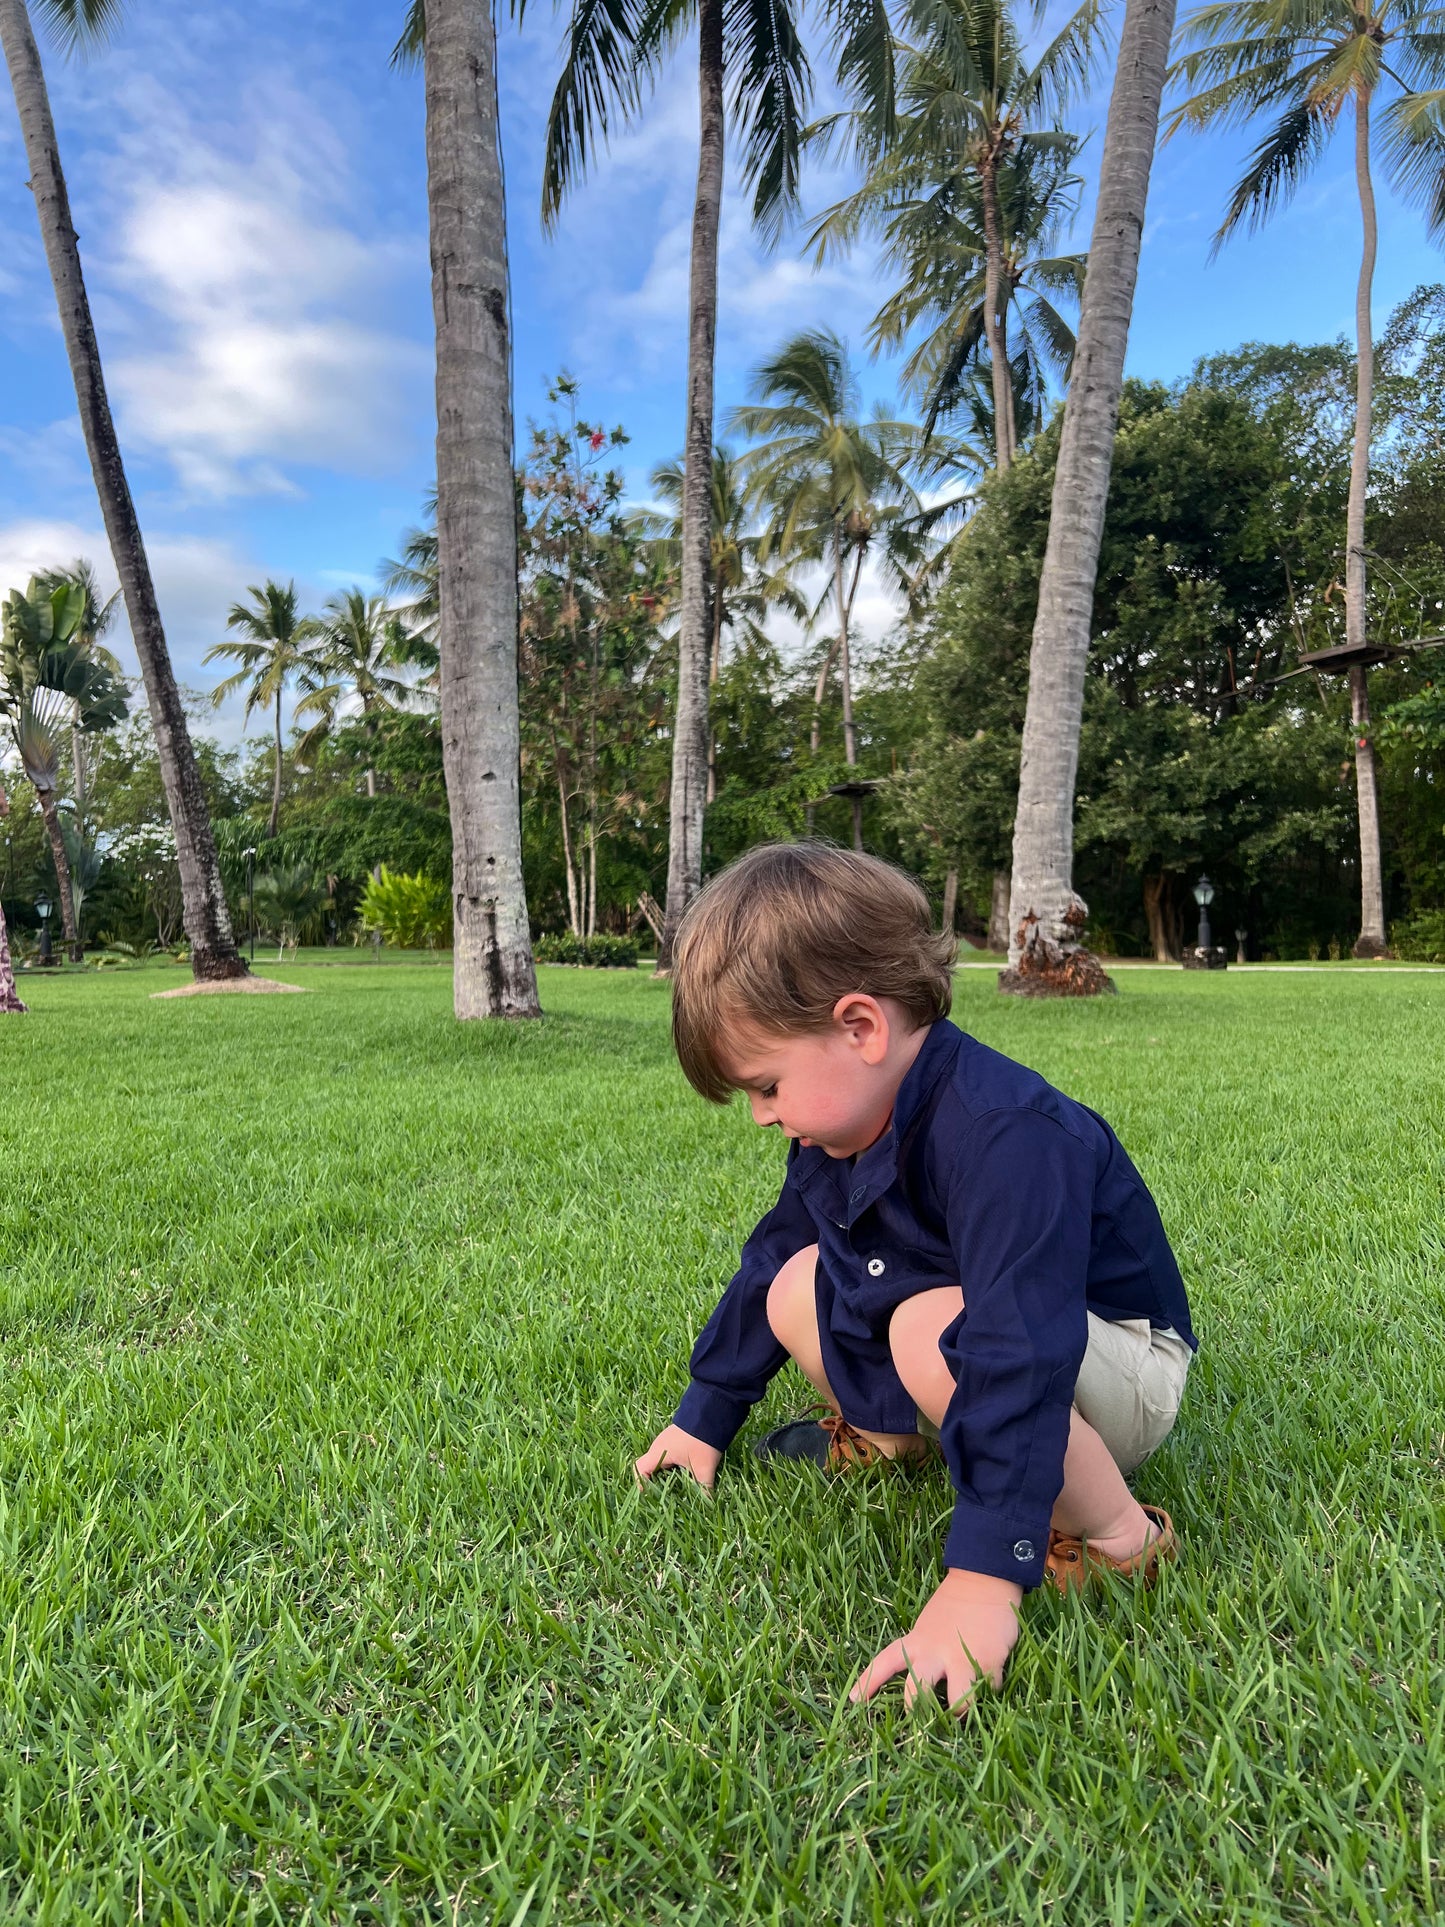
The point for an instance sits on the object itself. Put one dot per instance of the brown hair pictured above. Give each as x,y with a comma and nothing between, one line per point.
779,936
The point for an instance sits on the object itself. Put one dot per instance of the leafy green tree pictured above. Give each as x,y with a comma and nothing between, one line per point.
833,487
97,615
213,949
275,647
970,186
50,686
1300,68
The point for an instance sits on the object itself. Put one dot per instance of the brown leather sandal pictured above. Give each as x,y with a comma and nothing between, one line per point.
1072,1564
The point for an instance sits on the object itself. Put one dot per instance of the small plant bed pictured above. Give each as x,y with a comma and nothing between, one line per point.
590,953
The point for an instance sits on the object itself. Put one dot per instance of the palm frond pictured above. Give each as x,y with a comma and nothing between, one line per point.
602,73
1413,127
76,23
770,81
412,44
1276,168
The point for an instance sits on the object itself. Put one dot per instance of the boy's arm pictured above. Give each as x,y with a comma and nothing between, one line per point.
737,1354
1020,1219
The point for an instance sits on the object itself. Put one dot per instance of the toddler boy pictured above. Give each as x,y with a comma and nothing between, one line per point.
959,1251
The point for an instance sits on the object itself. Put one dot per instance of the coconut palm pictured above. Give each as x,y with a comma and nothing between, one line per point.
742,590
1046,917
1300,67
833,489
98,612
972,176
275,647
476,507
957,250
750,60
411,578
10,1004
360,645
48,684
207,920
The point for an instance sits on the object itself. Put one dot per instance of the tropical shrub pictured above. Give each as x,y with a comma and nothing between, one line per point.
601,953
1420,939
410,912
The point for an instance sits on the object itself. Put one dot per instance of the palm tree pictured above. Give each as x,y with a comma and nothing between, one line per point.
1046,916
742,591
929,211
964,187
46,682
359,647
97,615
412,577
833,488
493,972
276,647
207,920
750,57
10,1004
1302,67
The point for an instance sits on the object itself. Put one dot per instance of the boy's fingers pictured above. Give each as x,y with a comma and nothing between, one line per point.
651,1459
962,1679
877,1673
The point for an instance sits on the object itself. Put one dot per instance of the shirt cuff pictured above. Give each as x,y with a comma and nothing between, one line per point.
713,1416
1003,1545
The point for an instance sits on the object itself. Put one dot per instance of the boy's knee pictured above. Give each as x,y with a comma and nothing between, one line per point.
913,1334
790,1295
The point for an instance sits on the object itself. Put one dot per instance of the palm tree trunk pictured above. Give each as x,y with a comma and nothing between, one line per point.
46,800
1372,941
10,1004
992,301
207,920
714,671
77,758
276,779
1046,918
690,725
476,515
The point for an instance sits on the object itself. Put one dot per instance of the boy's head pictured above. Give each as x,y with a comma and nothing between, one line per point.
785,942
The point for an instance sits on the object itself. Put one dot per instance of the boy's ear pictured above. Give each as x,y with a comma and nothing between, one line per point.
866,1023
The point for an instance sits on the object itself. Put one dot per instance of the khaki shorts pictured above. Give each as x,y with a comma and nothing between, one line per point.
1129,1388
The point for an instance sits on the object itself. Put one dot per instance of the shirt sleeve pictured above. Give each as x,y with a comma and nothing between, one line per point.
737,1354
1020,1219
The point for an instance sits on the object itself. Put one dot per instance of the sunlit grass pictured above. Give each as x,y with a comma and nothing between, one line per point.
330,1330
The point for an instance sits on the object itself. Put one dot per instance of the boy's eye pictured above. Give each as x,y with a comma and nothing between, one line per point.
769,1090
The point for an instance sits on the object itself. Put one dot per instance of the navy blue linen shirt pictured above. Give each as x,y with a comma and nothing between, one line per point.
990,1179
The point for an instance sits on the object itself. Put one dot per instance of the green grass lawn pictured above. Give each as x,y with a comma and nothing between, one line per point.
330,1329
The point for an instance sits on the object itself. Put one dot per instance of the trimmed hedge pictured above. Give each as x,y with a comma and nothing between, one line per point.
600,953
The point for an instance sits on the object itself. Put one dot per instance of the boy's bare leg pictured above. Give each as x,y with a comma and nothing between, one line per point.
793,1316
1095,1503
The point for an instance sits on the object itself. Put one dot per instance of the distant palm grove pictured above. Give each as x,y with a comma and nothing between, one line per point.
1139,632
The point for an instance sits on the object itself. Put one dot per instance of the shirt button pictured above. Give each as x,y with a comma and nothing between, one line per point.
876,1267
858,1191
1023,1550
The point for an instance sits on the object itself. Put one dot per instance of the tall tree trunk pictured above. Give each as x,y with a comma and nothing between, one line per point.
10,1004
1372,941
992,303
1046,918
1157,913
998,912
690,726
276,777
476,515
950,900
714,671
63,890
207,920
845,677
77,758
574,913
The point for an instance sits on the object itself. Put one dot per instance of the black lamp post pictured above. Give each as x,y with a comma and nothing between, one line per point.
42,909
1204,896
251,898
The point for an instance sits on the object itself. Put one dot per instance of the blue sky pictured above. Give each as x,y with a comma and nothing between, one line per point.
249,189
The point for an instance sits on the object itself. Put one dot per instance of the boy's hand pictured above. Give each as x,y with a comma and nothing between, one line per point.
965,1632
673,1446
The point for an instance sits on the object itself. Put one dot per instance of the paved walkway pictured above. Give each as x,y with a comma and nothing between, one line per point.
1270,969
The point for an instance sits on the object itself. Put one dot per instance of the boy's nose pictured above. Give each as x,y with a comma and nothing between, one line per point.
763,1112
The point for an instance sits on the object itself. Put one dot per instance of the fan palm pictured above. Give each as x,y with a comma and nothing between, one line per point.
207,919
1299,66
360,645
969,191
48,684
750,59
275,646
97,614
833,489
742,589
